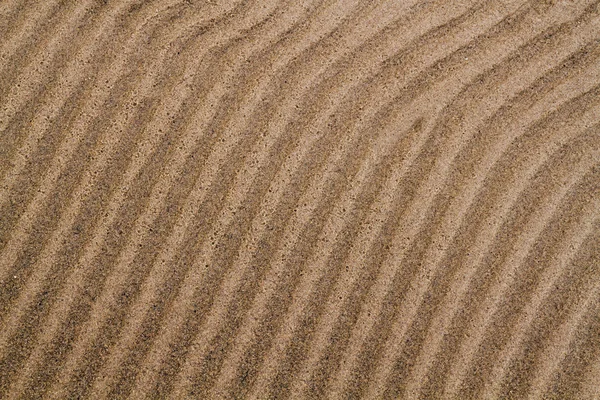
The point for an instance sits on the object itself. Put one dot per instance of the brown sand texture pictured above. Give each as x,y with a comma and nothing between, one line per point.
273,199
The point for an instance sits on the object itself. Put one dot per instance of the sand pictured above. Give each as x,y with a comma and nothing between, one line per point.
300,199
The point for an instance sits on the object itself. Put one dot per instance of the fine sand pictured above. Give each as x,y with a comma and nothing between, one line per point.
273,199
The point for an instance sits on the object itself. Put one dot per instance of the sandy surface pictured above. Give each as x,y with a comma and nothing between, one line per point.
351,199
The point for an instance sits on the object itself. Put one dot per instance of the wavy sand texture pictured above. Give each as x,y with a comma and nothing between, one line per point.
317,199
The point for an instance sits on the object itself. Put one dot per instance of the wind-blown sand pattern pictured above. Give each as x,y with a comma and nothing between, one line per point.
300,199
